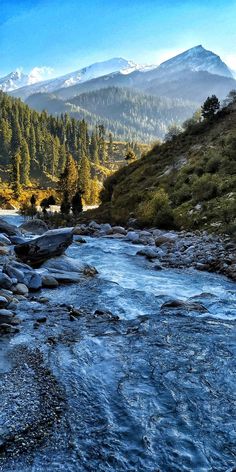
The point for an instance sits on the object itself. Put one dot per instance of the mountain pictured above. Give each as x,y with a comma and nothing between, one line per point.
93,71
13,81
129,114
188,182
195,59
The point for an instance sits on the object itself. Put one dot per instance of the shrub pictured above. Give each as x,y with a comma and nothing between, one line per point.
157,210
206,187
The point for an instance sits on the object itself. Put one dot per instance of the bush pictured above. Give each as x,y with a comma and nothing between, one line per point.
213,165
157,210
206,187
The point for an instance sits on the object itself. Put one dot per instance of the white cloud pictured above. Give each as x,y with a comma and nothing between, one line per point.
39,73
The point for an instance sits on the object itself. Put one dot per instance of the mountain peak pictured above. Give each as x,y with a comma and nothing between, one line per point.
197,59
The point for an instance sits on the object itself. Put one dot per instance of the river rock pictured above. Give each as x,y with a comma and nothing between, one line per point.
185,305
21,289
23,274
6,316
78,239
49,282
18,240
4,241
35,226
52,243
3,302
148,252
5,281
118,230
65,264
8,229
132,236
4,251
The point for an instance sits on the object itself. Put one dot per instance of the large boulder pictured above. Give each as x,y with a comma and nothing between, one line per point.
52,243
5,281
67,264
8,229
35,226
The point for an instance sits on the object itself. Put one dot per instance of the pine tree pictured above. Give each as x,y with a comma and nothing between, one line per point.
77,206
94,149
210,107
15,174
25,163
85,176
68,181
110,147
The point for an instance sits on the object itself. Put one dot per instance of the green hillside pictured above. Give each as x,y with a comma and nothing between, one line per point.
188,182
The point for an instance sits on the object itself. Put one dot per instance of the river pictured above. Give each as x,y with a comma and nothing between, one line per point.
146,389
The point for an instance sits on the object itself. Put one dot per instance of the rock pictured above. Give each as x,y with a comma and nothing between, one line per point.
78,239
4,241
132,236
189,306
8,229
35,226
66,277
21,289
105,228
42,319
4,251
5,281
3,302
6,328
6,316
164,240
52,243
23,274
148,252
65,264
49,282
119,230
94,225
7,294
18,240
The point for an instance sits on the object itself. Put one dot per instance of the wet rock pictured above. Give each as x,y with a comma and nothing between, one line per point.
148,252
78,239
49,282
132,236
66,277
18,240
6,328
8,229
53,243
35,226
4,241
8,294
3,302
4,251
6,316
185,305
66,264
24,274
5,281
21,289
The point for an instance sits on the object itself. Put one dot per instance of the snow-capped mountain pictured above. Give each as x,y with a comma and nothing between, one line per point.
93,71
13,81
196,59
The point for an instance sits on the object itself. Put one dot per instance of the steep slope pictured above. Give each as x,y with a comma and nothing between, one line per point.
128,114
13,81
192,178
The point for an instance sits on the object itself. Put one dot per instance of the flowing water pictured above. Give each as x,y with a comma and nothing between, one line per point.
146,389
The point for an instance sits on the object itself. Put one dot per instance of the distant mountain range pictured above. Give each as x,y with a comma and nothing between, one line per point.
181,84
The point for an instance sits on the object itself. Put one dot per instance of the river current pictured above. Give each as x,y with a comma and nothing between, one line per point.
147,389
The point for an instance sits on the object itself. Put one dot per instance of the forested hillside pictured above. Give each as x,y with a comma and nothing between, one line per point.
188,182
35,146
129,114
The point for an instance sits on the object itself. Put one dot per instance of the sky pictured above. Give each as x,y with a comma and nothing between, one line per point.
52,37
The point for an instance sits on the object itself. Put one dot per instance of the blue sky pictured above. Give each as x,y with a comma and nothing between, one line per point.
65,35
